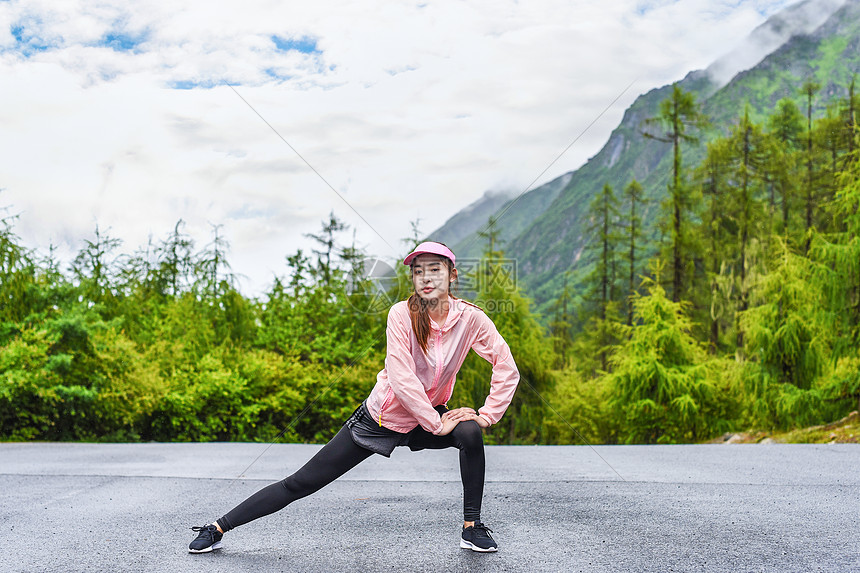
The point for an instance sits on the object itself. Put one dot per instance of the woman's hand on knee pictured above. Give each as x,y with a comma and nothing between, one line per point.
480,420
459,414
447,425
463,414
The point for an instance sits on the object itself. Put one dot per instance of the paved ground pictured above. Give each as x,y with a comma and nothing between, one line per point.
127,507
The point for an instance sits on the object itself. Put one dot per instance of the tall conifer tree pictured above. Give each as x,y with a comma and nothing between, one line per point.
785,126
634,197
679,115
809,89
747,152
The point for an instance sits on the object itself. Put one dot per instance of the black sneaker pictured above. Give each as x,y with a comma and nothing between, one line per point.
208,539
477,538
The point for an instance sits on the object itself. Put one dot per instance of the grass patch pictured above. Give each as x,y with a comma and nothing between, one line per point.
844,431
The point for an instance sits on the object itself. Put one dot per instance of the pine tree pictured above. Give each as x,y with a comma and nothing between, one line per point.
632,226
791,326
17,278
214,274
562,323
94,268
604,207
747,159
660,388
848,111
489,269
810,88
679,113
326,239
829,139
353,257
840,249
601,284
785,126
712,175
175,260
491,234
299,265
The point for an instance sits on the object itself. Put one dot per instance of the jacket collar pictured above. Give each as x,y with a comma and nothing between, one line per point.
456,308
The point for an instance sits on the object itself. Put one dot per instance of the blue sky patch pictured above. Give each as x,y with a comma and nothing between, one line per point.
28,43
122,41
273,73
246,211
191,84
304,44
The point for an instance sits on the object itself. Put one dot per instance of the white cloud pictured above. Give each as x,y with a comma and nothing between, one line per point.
408,110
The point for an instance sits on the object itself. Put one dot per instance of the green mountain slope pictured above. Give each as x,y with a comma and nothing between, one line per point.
513,216
545,230
468,222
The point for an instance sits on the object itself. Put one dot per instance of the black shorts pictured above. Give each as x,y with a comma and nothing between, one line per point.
368,434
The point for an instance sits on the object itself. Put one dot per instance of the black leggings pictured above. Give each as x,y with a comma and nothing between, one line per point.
341,454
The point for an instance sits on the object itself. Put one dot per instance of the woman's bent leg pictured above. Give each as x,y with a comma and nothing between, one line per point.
336,458
470,441
468,438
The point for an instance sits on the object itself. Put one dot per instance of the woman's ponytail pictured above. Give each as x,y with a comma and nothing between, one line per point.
420,318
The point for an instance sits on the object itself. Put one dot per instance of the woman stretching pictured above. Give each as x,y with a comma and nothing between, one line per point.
429,336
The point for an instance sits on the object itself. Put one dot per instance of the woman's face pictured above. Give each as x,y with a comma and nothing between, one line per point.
431,278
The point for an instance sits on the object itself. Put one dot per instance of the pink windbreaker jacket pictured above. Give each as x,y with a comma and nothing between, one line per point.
412,382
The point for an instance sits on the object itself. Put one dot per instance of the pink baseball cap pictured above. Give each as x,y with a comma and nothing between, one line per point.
433,248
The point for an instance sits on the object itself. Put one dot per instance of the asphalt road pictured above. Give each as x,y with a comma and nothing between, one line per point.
128,507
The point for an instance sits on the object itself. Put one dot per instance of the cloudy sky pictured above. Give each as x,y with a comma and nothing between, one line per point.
133,115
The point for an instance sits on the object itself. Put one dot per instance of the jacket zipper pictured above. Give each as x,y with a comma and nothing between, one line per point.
450,391
438,361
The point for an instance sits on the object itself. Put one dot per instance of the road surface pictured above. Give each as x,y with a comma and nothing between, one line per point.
129,507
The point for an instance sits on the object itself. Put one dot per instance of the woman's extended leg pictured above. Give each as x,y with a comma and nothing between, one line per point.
336,458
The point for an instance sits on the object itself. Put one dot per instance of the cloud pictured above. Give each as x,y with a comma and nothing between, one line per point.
802,18
122,114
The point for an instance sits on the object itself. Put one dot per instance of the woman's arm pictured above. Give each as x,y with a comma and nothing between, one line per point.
490,346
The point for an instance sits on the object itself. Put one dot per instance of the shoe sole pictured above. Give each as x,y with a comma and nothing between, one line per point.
466,545
216,545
